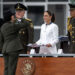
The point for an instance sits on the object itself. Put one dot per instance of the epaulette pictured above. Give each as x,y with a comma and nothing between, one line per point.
28,19
69,26
69,18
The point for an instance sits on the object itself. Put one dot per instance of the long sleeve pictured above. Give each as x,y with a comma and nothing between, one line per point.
55,36
39,41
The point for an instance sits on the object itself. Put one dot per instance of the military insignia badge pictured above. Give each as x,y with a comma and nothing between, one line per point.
31,24
28,67
18,6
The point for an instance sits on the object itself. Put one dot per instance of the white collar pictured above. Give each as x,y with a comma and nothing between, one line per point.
19,20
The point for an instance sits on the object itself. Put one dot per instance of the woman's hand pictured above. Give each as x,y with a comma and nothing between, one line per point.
48,45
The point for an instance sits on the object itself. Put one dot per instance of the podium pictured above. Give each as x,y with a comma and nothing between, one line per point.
64,43
42,65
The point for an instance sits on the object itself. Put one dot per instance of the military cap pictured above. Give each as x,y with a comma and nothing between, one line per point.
20,6
72,6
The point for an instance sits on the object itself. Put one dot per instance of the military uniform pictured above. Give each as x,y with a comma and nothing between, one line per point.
25,38
69,28
12,31
71,31
20,7
12,42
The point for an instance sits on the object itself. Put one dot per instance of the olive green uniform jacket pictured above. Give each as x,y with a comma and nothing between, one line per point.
9,35
71,30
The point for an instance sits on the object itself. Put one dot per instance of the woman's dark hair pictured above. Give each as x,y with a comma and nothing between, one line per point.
1,22
53,16
7,15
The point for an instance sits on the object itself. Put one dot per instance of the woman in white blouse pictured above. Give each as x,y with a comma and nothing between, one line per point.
48,35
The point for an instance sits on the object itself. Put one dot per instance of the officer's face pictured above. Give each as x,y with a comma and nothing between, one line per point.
72,13
20,13
47,17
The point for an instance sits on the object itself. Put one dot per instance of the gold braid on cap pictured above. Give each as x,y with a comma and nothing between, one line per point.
19,7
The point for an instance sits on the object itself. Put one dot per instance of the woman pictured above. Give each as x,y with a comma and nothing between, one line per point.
48,35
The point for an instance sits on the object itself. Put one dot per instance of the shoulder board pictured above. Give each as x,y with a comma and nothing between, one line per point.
28,19
69,17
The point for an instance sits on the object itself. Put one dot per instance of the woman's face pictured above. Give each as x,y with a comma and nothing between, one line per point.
47,17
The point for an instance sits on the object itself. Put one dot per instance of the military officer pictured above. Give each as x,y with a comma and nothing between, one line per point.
20,11
7,42
71,28
10,40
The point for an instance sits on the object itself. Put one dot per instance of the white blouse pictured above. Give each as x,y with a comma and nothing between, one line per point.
48,35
